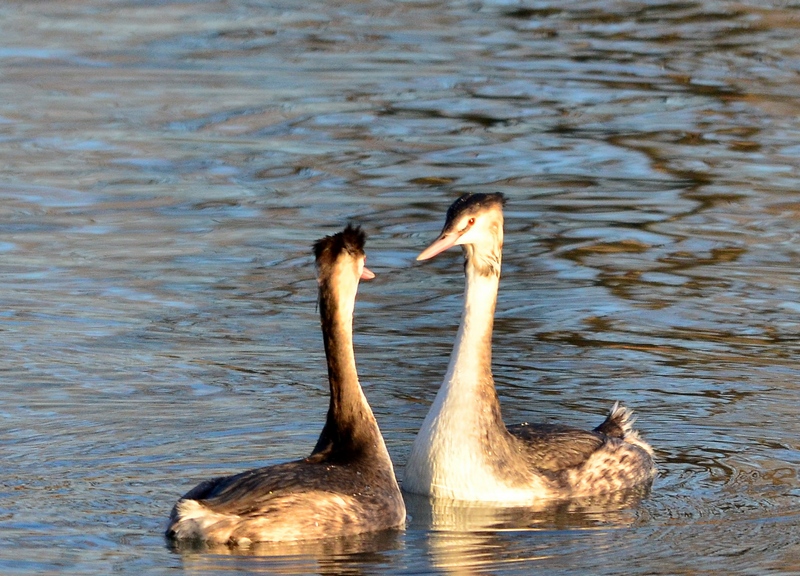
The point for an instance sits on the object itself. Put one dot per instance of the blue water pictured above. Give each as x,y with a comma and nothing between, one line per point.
166,167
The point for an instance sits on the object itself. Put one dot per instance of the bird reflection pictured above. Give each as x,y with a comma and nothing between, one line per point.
358,554
463,536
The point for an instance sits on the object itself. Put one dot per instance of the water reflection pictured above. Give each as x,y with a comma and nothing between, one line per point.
360,554
464,538
608,510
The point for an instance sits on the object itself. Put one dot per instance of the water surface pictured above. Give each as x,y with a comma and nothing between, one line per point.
166,167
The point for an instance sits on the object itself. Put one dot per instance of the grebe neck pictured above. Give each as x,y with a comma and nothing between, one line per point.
471,360
350,427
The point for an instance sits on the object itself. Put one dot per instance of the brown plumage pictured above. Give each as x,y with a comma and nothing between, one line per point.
347,485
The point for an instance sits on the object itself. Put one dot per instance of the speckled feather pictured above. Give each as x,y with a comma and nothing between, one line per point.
296,500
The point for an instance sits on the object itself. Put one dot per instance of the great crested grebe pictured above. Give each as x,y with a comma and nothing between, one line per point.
347,485
463,450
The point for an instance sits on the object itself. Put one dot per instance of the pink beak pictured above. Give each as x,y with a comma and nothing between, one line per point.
444,242
367,274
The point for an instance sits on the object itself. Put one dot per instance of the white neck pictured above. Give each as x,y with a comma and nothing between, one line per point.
471,360
448,458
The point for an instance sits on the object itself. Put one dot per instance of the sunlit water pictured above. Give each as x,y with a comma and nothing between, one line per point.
166,167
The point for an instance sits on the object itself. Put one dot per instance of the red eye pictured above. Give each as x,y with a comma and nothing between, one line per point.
471,221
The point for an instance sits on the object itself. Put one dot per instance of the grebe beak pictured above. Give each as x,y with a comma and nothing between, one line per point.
441,244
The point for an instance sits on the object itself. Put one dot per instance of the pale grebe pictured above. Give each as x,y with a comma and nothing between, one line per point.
463,450
347,485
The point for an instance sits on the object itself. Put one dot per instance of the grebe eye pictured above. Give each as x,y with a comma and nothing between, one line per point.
471,221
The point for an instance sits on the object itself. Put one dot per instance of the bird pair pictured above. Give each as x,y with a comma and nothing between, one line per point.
463,450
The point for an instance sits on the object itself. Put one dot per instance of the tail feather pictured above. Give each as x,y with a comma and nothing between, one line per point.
619,424
190,520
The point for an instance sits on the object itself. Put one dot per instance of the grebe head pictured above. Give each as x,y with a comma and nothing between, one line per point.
475,222
342,256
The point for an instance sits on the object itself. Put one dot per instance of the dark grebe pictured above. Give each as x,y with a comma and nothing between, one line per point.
347,485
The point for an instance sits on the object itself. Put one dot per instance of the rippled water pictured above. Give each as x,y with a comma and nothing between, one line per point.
166,166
